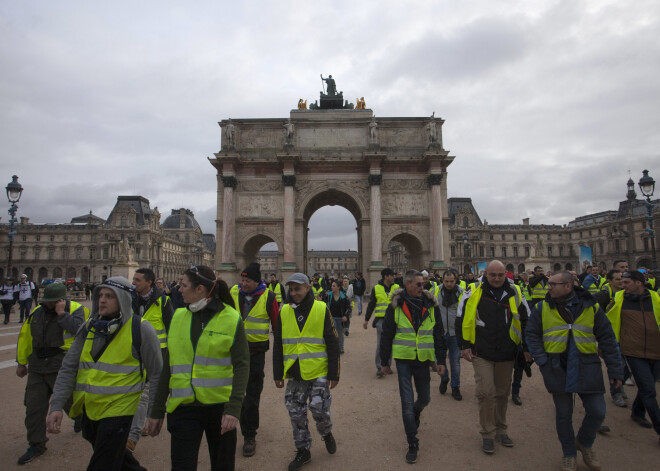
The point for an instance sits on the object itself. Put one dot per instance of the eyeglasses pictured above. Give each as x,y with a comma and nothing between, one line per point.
552,284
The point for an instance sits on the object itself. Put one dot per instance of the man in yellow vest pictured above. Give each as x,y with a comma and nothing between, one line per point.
105,370
635,318
489,330
414,337
564,334
259,309
151,304
306,351
379,299
45,337
278,290
538,285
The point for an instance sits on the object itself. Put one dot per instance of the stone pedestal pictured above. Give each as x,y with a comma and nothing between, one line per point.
125,269
543,262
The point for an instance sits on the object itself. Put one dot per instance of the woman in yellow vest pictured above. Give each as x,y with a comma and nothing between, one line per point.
207,374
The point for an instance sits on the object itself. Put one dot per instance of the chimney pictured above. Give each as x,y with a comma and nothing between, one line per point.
525,221
24,221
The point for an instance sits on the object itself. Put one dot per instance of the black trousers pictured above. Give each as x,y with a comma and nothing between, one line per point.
187,424
108,438
250,409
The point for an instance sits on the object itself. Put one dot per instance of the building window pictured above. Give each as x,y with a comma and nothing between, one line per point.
137,236
51,253
526,236
23,238
465,221
526,251
492,252
105,253
646,243
481,250
451,236
124,222
560,236
580,234
503,252
549,236
37,252
66,237
79,238
52,238
601,248
23,254
38,238
561,251
65,252
503,236
600,232
590,232
515,250
549,250
92,253
515,236
491,237
105,236
453,251
78,253
617,245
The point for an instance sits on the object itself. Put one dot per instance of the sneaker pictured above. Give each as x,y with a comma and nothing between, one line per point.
341,351
32,452
641,421
603,429
516,399
618,400
144,432
249,447
330,443
588,456
346,332
302,458
443,385
488,446
504,439
77,424
623,394
379,373
456,394
568,463
130,445
411,456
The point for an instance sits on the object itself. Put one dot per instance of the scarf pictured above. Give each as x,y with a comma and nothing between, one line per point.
450,297
257,292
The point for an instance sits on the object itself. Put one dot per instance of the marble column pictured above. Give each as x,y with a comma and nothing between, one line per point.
435,181
289,182
374,214
229,183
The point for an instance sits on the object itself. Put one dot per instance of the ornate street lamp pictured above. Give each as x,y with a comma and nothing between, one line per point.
14,192
647,187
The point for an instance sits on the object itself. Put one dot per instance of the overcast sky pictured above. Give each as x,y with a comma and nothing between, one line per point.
547,104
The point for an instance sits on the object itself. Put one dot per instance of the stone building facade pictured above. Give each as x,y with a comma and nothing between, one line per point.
332,262
87,248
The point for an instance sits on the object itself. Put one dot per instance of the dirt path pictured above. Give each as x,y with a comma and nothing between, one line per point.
367,425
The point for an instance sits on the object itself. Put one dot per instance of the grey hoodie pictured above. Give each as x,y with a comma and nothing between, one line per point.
152,359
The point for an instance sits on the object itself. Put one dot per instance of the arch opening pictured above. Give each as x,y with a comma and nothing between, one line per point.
405,253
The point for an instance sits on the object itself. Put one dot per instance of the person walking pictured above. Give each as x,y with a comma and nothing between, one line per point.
306,352
27,293
258,308
379,299
414,337
45,337
155,307
105,371
8,297
276,287
206,375
340,310
635,318
359,287
564,334
449,295
347,289
489,330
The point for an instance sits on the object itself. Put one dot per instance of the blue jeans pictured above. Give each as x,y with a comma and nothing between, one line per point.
594,408
410,408
358,301
454,362
25,308
339,327
645,372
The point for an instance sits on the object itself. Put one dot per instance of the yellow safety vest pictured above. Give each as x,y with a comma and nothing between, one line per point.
112,385
308,346
595,286
410,345
24,345
524,290
469,328
203,373
462,284
154,316
257,320
555,330
317,291
383,299
614,313
277,291
539,291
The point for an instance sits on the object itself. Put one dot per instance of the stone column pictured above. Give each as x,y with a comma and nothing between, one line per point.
229,183
437,255
289,182
375,180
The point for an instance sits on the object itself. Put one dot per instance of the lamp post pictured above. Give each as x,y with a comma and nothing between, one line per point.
647,186
14,192
466,250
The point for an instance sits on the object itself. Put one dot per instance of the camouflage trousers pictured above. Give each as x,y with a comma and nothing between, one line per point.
298,394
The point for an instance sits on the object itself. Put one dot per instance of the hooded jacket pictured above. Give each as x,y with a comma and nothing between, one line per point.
573,371
150,353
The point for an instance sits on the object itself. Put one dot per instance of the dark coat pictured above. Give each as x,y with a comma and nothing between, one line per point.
573,371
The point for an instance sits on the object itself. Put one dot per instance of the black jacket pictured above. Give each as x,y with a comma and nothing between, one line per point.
492,340
389,328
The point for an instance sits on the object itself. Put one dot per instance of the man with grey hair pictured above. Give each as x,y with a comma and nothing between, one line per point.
489,330
414,337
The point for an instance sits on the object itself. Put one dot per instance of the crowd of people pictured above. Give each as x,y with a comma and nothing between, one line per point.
195,350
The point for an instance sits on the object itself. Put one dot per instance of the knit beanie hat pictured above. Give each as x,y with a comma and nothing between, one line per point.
253,272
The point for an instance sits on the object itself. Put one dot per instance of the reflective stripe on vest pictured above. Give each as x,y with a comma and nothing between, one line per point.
539,290
317,291
614,314
154,316
555,330
410,345
69,337
383,299
112,385
470,319
306,347
256,322
203,373
277,291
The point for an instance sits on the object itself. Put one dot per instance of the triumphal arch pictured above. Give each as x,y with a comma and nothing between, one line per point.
274,173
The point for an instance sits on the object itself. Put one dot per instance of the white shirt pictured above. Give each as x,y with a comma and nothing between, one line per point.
9,292
25,290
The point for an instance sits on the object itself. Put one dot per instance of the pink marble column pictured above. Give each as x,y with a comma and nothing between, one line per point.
288,224
228,220
436,223
375,212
